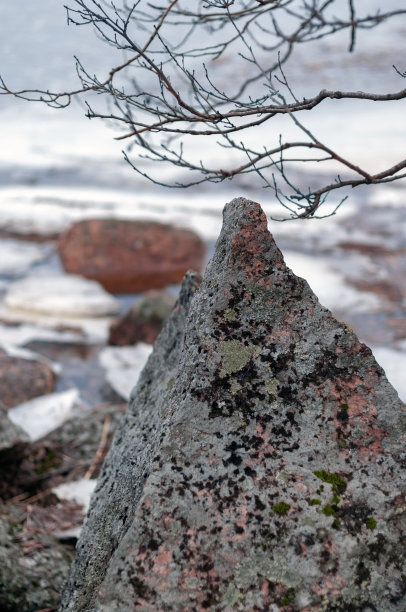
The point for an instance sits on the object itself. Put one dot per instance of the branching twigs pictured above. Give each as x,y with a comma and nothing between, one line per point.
177,49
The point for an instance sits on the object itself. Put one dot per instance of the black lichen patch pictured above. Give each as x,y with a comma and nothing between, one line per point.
356,517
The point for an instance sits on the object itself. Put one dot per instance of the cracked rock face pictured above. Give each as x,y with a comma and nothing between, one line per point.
259,465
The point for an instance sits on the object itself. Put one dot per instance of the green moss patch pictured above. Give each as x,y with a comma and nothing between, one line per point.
282,508
371,523
338,484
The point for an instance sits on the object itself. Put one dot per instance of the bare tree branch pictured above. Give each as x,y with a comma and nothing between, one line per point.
172,86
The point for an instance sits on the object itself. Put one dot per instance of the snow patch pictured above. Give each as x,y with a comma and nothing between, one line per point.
16,258
68,295
394,364
123,366
39,416
78,491
329,285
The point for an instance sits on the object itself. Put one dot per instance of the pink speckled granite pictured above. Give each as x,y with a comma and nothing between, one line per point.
260,462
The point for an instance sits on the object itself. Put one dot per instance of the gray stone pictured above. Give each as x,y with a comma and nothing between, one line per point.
33,568
10,434
260,463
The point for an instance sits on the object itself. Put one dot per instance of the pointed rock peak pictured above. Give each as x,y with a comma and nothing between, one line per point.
245,243
260,464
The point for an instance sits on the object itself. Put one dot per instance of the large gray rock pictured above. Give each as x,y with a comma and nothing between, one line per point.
259,465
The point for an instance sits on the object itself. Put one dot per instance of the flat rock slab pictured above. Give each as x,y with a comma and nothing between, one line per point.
130,256
260,463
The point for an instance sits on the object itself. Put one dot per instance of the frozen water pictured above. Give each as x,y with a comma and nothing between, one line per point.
16,258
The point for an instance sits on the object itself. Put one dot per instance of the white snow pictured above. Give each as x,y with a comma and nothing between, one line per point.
41,415
78,491
21,334
123,365
394,364
68,295
16,258
329,285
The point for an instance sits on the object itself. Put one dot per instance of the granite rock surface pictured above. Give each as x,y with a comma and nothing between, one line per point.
260,464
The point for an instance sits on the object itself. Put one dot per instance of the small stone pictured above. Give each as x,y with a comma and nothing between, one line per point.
22,378
143,321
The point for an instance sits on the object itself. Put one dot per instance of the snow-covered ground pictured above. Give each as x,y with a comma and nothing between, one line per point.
57,167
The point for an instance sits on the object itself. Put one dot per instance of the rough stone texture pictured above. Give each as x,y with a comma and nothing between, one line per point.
33,566
259,464
23,379
130,256
66,453
143,321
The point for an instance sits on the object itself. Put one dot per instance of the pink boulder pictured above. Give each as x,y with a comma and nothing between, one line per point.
130,256
23,379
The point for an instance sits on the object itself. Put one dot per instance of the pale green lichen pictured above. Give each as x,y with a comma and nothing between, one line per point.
230,314
231,596
235,386
259,563
235,356
272,386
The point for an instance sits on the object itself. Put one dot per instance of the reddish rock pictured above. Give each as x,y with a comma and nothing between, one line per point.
23,379
130,256
370,249
143,321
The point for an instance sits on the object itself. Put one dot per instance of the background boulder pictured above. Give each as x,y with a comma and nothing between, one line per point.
23,376
143,321
260,464
130,256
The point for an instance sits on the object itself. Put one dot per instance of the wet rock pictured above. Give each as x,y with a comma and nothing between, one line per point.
130,256
143,321
260,464
23,376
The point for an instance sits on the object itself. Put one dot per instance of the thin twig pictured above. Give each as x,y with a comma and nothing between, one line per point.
101,448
